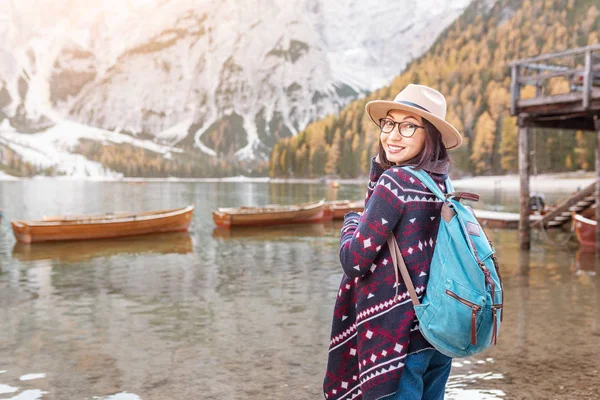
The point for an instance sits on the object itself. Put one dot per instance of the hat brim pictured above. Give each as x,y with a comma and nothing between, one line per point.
378,109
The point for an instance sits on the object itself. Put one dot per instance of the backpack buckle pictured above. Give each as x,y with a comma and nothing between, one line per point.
462,195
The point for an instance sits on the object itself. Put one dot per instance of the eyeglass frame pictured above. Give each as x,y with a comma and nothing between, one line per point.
399,130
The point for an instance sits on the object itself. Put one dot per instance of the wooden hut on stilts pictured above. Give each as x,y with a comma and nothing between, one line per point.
576,109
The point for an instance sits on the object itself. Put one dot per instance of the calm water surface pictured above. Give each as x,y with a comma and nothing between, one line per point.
246,314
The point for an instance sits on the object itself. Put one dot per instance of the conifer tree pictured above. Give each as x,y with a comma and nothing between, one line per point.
509,145
333,155
483,144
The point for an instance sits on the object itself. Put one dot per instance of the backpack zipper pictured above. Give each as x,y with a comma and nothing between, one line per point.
474,309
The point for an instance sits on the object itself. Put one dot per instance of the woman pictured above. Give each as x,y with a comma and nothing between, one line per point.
376,350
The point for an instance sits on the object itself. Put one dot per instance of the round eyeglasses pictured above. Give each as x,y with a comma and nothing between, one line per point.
406,129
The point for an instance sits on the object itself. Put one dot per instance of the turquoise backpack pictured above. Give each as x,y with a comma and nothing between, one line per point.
461,311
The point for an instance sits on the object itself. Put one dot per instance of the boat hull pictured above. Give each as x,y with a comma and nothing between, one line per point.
98,228
343,207
585,230
263,216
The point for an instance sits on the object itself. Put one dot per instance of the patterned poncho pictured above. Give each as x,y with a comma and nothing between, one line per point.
372,334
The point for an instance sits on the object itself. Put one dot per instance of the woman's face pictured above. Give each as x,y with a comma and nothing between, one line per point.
398,148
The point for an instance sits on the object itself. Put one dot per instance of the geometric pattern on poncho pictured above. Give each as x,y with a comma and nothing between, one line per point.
372,333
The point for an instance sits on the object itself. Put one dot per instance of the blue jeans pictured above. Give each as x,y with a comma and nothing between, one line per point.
424,376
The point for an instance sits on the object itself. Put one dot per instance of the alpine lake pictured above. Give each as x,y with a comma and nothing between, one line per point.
246,314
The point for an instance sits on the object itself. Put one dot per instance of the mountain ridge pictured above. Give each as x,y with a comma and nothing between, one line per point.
211,79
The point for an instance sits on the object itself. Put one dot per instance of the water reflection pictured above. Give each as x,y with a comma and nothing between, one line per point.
246,314
282,193
459,386
289,231
585,261
596,318
78,251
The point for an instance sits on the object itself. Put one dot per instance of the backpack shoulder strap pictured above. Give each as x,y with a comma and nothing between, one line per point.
399,265
430,183
449,186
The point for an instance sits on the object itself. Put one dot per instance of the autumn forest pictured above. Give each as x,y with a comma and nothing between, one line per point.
469,65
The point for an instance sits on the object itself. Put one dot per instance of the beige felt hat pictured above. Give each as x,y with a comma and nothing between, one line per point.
423,101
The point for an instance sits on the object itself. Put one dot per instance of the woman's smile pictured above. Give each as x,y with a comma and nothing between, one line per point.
394,149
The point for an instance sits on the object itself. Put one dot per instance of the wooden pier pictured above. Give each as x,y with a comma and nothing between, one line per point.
561,214
576,109
501,220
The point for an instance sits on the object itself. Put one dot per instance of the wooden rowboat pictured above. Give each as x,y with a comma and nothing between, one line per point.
585,230
342,207
100,226
272,215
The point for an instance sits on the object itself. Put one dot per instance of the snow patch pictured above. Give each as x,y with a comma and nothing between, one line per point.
177,132
30,377
120,396
7,389
34,394
52,147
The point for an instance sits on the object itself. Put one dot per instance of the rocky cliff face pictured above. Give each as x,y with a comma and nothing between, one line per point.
203,76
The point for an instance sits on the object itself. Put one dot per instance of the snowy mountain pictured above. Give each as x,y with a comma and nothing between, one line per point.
213,78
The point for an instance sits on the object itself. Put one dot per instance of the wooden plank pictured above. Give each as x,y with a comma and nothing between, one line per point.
571,97
544,67
561,117
565,205
533,79
562,109
571,125
501,220
575,75
549,56
564,104
524,224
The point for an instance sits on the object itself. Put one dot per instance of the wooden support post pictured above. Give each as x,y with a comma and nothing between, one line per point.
515,89
587,80
538,89
524,227
597,127
522,290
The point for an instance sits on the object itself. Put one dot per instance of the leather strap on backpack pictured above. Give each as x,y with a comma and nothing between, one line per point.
399,265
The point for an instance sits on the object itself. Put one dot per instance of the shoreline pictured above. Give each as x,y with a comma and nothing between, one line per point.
557,182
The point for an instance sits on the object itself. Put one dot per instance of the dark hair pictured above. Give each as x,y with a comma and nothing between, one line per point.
434,149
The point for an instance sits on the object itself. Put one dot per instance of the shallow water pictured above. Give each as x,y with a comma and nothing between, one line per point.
246,314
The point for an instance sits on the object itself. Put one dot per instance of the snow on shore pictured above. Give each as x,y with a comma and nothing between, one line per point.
547,183
541,183
5,177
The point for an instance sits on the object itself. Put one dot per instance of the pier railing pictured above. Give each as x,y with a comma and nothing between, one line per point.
578,68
